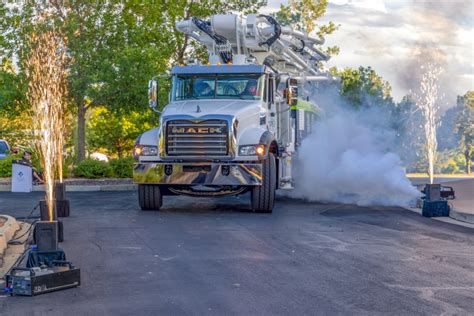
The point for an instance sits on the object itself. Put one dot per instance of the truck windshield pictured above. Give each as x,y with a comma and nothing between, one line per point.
244,87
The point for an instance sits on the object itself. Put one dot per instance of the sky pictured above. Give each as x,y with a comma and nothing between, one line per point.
399,37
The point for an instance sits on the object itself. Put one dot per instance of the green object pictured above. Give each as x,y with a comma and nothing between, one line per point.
115,133
91,168
122,167
6,167
364,87
305,106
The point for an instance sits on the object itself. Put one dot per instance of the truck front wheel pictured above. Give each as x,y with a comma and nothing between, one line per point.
263,197
149,197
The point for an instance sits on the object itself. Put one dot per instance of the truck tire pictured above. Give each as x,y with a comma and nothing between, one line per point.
149,197
263,197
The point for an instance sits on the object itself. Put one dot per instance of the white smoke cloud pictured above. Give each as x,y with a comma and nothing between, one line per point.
347,159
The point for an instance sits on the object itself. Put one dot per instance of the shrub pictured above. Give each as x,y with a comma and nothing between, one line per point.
122,167
115,133
6,167
90,168
68,166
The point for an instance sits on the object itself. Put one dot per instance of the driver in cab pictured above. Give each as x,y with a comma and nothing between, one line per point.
202,89
250,89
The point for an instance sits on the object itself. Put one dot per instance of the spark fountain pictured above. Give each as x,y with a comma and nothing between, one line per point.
433,205
46,268
46,91
427,103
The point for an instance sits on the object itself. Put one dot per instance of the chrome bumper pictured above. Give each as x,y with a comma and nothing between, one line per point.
197,173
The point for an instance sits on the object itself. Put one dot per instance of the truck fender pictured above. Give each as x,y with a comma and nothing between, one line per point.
254,136
269,140
149,137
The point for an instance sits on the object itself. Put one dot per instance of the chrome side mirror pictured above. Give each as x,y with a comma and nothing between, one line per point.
153,95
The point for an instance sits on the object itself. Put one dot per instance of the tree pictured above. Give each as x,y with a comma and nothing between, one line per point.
364,87
17,130
303,15
468,99
447,138
465,128
115,133
406,120
12,89
115,46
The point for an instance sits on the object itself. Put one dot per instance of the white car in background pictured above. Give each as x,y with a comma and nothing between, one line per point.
4,149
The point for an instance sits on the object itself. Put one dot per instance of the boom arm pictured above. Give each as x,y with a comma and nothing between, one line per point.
260,38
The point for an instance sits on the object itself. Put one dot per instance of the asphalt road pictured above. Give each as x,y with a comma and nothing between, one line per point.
212,256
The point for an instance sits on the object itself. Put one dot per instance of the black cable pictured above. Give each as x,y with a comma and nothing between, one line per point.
15,264
277,26
218,39
31,213
17,241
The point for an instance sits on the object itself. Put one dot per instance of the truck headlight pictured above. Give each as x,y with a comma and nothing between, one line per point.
142,150
252,150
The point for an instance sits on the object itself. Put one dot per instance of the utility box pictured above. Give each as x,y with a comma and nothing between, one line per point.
433,192
46,235
45,217
435,208
33,281
22,177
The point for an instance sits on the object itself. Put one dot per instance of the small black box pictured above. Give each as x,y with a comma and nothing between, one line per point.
62,208
433,192
60,191
435,208
60,232
46,235
44,212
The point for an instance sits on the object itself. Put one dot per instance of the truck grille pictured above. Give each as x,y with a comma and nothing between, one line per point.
191,138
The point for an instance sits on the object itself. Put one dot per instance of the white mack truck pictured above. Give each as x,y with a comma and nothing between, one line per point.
232,125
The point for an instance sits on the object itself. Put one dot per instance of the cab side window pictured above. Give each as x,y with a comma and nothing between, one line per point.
271,91
265,89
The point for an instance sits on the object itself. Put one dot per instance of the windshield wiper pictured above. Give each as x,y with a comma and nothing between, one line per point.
232,95
187,98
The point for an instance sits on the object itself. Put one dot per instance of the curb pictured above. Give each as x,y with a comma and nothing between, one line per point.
450,219
81,188
461,216
7,231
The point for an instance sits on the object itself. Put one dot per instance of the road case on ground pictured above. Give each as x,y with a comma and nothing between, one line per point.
39,280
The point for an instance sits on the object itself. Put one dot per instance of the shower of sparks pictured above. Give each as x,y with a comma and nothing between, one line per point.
427,102
46,94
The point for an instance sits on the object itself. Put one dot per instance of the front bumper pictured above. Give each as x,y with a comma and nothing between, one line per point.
197,173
